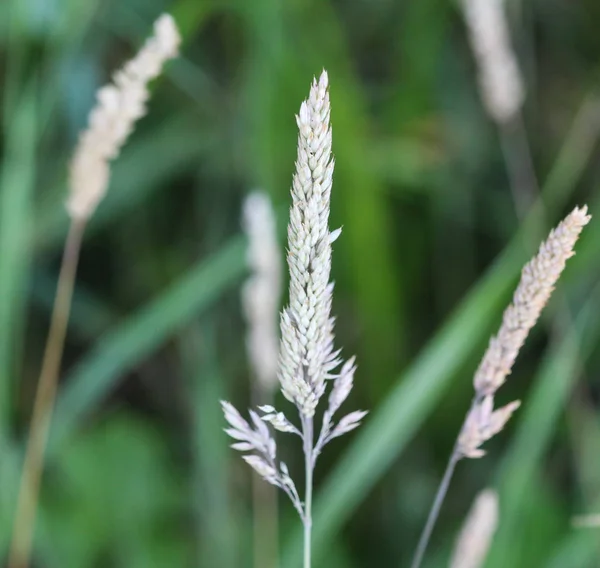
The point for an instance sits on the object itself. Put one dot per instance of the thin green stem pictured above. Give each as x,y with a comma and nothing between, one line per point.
307,430
435,510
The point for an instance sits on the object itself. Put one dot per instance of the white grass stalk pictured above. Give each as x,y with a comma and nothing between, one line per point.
500,80
110,123
502,93
483,421
307,357
261,294
261,298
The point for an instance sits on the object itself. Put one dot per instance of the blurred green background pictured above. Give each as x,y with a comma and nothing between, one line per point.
139,473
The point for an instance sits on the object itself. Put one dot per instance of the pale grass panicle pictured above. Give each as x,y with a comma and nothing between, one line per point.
119,106
500,80
538,279
477,533
307,356
262,292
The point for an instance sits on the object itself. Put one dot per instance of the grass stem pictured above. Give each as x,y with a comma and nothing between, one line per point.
23,528
435,510
307,429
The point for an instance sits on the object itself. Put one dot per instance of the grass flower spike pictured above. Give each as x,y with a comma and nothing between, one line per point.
119,106
538,279
307,356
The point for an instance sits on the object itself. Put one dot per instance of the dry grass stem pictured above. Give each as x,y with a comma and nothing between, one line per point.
24,524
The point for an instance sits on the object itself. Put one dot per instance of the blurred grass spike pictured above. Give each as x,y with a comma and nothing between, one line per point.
538,279
110,123
500,80
587,521
261,296
537,283
262,291
476,535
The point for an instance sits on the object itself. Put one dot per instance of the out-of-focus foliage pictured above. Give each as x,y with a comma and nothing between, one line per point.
139,473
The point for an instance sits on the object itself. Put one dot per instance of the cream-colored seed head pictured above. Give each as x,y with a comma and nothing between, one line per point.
262,291
307,359
538,279
307,354
477,533
111,121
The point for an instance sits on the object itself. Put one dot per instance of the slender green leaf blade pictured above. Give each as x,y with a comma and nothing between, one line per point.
16,197
126,345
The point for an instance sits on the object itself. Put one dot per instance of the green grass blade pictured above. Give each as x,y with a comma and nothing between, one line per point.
126,345
190,15
10,469
143,168
576,149
580,547
218,528
16,197
578,550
